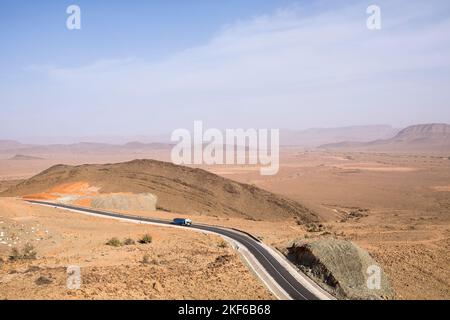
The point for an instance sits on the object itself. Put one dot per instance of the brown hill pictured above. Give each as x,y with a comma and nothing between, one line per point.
178,188
422,138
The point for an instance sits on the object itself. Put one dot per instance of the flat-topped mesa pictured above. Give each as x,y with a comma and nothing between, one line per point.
433,130
433,138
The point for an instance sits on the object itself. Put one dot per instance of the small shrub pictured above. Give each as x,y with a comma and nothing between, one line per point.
222,244
146,259
312,227
129,242
114,242
28,253
146,239
15,255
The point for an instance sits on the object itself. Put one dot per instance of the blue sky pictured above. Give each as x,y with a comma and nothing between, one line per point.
145,67
35,30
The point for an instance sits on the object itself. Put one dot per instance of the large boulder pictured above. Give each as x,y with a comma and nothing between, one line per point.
342,268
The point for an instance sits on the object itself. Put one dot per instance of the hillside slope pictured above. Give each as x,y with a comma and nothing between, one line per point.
179,189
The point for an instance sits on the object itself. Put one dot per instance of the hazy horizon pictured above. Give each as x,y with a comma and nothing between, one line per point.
160,137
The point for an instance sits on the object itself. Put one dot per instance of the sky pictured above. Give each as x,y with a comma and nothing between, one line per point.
149,67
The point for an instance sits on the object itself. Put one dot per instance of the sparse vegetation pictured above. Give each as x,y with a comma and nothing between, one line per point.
28,253
15,254
220,261
129,242
159,208
354,214
313,227
222,244
146,259
114,242
146,239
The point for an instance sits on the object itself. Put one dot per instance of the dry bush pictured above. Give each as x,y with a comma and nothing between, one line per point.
28,253
146,239
129,242
114,242
222,244
146,259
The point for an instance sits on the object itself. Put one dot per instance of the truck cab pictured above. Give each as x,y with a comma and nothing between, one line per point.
182,222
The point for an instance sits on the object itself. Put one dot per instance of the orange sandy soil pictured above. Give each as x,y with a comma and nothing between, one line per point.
78,188
203,269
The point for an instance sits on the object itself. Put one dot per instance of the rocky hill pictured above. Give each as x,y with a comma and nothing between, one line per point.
341,267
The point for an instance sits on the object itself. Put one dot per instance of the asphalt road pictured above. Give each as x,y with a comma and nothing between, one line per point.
273,267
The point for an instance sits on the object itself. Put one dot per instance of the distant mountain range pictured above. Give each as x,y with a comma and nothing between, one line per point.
423,137
433,137
14,147
11,145
318,136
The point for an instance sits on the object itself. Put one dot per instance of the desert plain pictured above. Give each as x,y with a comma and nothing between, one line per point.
394,205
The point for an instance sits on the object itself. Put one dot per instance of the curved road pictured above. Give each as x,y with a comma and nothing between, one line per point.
273,267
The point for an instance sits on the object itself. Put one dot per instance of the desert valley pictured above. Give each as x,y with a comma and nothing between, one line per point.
387,192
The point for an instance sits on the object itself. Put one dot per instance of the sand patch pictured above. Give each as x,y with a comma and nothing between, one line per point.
375,167
125,201
441,188
233,170
62,191
83,202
